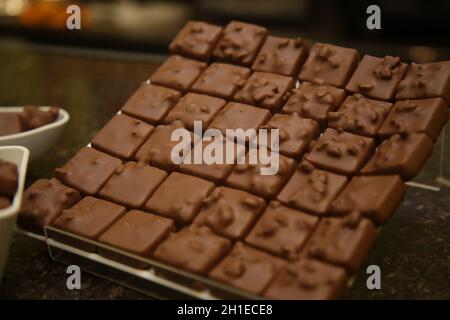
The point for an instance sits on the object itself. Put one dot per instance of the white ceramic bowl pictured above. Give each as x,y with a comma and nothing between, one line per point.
38,140
8,216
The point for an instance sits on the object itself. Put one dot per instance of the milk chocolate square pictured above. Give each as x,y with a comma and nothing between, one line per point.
195,249
329,64
151,103
221,80
196,40
240,43
132,184
229,212
88,170
179,197
9,178
178,73
341,152
377,78
122,136
282,231
34,117
10,123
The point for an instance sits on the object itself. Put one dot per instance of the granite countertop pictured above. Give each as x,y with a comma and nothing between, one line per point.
412,250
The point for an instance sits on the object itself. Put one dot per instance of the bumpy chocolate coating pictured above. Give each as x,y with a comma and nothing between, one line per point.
9,178
33,117
10,123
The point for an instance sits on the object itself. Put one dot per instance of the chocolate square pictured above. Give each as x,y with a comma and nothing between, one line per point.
151,103
404,155
281,55
360,115
341,152
196,40
426,80
88,170
329,64
314,101
240,43
43,201
377,78
34,117
195,249
10,123
376,197
178,73
230,213
247,269
221,80
179,197
195,107
282,231
122,136
9,178
265,90
311,189
423,115
132,184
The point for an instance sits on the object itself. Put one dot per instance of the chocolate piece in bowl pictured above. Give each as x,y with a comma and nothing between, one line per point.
132,184
308,279
178,73
194,248
43,202
179,197
266,90
247,269
230,213
344,241
360,115
9,178
400,154
311,189
10,123
4,202
314,101
423,116
282,231
151,103
221,80
196,40
328,64
240,43
426,80
377,78
122,136
34,117
376,197
281,55
195,107
341,152
88,170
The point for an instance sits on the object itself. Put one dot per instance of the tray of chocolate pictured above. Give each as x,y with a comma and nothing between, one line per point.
352,131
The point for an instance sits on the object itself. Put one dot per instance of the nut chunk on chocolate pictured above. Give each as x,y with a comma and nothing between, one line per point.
281,55
43,201
308,280
360,115
195,249
9,178
196,40
230,213
400,154
426,80
341,152
179,197
329,64
88,170
265,90
247,269
178,73
377,78
240,43
122,136
343,241
311,189
376,197
151,103
282,231
423,115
